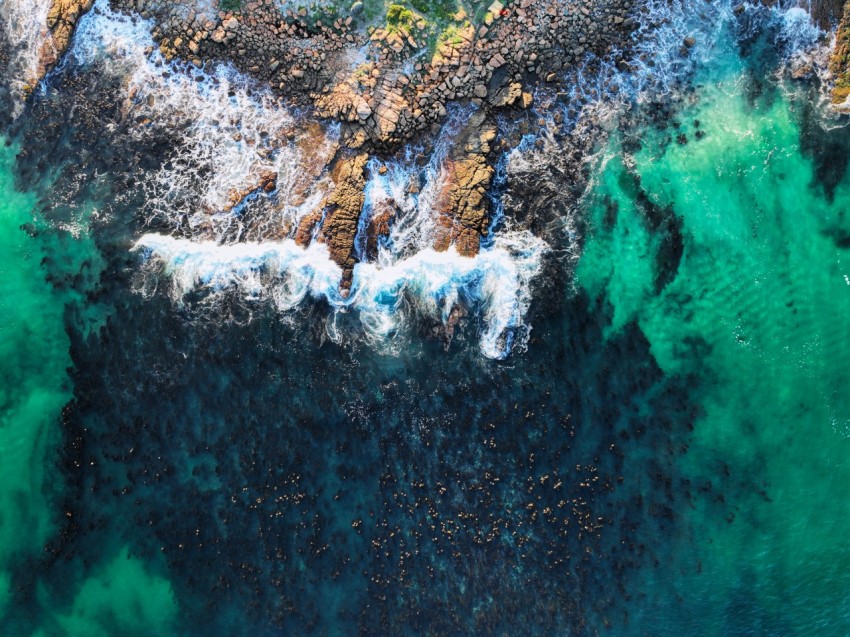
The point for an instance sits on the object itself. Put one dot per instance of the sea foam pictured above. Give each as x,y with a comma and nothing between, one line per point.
24,23
228,131
497,282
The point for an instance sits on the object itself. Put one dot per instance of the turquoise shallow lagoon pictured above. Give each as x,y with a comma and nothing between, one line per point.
668,456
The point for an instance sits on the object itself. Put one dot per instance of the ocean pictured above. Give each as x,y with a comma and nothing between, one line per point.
637,426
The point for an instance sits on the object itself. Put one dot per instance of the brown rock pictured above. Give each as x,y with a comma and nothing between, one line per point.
462,207
379,226
62,18
266,182
341,211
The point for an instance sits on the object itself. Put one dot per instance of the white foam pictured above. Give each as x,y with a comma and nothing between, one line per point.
228,132
798,31
498,281
280,270
25,24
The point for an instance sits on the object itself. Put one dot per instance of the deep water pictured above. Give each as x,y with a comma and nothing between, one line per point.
665,456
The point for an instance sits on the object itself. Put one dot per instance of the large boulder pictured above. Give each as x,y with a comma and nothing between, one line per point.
462,206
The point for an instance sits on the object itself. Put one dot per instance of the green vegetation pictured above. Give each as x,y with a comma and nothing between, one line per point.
451,34
438,10
400,17
230,5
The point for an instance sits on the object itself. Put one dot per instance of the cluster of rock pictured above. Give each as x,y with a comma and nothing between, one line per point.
386,85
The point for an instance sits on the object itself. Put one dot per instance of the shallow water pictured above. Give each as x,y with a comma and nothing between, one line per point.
754,313
664,454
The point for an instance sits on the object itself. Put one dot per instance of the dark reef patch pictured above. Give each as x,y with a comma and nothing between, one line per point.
829,152
665,227
287,479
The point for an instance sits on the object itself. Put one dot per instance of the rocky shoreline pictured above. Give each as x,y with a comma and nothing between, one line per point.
388,75
390,82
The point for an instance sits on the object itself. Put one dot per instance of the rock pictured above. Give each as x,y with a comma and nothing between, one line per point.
364,111
462,205
307,227
689,42
342,210
356,8
62,18
802,72
506,96
839,65
379,226
266,182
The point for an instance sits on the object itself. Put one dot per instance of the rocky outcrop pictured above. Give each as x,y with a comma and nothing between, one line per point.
825,13
414,66
62,18
342,213
266,182
462,206
379,227
839,63
384,84
339,214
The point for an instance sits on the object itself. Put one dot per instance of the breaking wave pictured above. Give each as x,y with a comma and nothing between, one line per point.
497,281
24,23
230,133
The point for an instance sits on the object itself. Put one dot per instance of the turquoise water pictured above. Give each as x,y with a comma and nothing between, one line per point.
35,386
668,457
118,596
756,317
